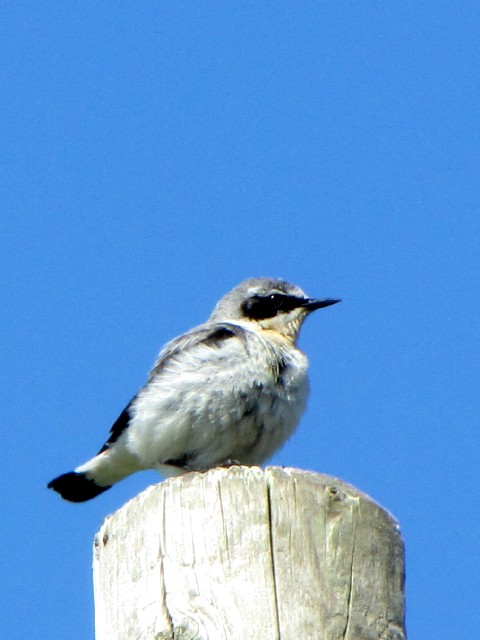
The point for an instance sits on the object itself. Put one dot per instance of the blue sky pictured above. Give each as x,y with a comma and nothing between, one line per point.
154,155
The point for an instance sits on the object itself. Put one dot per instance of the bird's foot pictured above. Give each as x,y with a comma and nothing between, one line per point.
230,462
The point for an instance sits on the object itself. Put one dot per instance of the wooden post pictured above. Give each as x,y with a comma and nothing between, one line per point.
247,554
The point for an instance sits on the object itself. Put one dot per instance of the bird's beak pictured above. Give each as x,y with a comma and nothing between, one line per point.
313,303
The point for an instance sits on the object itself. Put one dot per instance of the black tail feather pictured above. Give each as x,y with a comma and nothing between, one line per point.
76,487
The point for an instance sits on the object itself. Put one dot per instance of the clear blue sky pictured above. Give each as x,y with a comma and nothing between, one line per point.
154,155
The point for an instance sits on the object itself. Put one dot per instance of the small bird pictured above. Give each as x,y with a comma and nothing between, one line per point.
230,391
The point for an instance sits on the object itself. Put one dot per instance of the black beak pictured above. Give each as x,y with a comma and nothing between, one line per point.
312,303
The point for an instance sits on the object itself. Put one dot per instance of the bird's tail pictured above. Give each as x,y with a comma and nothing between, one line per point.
76,487
111,465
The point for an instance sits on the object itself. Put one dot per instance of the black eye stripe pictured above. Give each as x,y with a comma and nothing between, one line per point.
267,306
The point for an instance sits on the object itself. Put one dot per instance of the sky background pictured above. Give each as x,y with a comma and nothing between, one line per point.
156,154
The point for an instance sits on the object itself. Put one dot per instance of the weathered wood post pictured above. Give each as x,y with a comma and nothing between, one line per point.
242,553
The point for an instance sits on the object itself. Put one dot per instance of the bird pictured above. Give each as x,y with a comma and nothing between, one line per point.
230,391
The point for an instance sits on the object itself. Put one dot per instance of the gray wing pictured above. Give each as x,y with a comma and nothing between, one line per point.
207,399
212,336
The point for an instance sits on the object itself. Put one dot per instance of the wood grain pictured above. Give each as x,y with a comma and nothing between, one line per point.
245,553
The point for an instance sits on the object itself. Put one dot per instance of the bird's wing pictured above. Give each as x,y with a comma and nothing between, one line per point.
117,428
185,347
210,336
207,399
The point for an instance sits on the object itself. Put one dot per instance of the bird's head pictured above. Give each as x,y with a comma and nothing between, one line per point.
269,304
